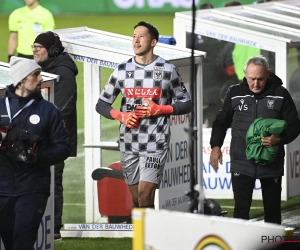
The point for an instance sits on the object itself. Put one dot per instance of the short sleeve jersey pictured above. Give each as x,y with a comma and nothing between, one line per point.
159,81
28,23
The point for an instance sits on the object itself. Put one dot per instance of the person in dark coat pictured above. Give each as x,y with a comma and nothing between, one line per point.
260,94
33,137
49,54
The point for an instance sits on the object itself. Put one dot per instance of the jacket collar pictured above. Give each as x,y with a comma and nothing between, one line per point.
10,93
272,81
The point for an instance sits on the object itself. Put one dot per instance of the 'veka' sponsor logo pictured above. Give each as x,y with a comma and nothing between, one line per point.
142,92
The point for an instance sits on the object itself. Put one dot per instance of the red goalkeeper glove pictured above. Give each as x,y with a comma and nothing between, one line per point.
127,118
150,108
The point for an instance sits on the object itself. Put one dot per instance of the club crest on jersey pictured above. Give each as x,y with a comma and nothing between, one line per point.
130,74
270,104
157,75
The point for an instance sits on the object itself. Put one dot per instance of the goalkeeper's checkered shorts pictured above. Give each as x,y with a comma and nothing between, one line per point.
147,168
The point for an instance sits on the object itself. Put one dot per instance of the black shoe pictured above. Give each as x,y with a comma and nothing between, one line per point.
57,237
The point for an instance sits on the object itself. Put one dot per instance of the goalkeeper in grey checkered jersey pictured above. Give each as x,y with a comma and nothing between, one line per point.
148,83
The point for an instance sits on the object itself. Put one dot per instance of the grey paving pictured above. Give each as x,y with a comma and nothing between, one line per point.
291,218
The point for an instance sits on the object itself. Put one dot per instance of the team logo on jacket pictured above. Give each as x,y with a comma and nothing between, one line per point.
34,119
270,104
243,106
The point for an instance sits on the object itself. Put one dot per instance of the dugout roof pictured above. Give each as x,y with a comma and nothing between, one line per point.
47,84
113,48
270,26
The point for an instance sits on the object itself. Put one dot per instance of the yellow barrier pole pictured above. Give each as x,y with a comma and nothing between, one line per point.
289,233
138,239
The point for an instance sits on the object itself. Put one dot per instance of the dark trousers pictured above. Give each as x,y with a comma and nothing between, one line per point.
243,185
20,219
58,196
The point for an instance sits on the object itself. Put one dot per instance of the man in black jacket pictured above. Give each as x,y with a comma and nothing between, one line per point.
260,94
34,138
48,53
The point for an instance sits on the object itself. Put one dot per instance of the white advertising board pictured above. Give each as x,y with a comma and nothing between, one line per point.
293,168
217,184
176,177
176,230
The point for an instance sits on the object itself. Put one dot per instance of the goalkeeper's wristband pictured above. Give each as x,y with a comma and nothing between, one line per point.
166,109
115,114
